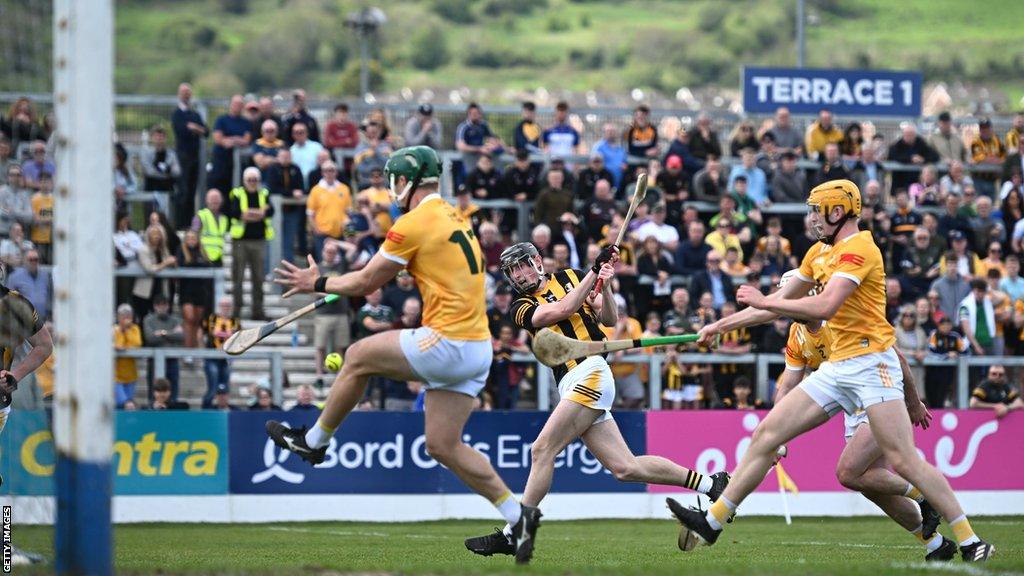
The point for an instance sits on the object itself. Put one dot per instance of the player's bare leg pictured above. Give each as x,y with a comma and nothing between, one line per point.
891,428
861,467
795,414
380,354
605,441
445,416
377,355
890,425
567,422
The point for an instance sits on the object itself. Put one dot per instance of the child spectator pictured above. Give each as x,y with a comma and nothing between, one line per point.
162,397
127,334
683,389
42,217
943,343
218,327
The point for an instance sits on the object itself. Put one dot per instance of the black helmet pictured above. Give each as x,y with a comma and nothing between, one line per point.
515,255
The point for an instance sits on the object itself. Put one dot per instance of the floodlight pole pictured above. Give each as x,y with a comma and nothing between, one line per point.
83,63
801,40
364,23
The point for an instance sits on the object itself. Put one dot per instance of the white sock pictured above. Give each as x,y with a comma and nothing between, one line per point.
317,437
509,508
705,484
934,543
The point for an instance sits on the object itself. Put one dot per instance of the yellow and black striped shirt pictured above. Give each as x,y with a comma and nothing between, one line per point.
581,325
215,323
17,326
738,337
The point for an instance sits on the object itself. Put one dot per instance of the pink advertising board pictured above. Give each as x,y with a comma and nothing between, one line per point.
970,447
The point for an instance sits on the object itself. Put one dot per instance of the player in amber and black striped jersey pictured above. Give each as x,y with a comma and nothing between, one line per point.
564,302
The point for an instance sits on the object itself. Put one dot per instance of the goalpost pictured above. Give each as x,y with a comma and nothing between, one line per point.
83,59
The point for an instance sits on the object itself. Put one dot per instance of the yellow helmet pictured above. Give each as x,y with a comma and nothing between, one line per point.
826,196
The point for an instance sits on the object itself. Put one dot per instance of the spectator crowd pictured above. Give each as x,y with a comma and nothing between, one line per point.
946,208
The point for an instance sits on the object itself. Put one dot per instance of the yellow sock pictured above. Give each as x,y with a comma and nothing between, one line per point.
962,531
914,494
720,510
918,533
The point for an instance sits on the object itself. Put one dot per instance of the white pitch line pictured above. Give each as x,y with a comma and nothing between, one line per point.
854,545
954,567
376,534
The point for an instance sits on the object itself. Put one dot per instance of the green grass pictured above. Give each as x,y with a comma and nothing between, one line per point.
862,546
661,44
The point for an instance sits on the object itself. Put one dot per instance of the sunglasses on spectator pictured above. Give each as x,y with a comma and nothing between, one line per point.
995,250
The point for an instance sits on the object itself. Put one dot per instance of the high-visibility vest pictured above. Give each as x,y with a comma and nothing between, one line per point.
211,235
237,225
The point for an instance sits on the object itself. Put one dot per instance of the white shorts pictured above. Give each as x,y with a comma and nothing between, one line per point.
853,421
591,384
855,383
5,413
454,365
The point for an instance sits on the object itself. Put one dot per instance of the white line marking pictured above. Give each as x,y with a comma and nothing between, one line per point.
955,567
853,545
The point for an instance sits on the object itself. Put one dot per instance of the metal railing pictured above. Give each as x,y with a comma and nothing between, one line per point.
761,362
161,355
214,274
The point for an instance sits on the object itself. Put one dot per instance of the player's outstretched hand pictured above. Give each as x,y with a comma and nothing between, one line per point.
919,415
750,296
297,280
708,335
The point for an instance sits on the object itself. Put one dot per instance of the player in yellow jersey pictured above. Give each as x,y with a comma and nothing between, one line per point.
451,352
863,371
563,301
861,466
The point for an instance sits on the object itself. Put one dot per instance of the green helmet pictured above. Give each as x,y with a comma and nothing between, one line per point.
419,165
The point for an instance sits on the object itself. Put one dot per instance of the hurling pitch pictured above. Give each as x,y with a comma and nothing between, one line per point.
754,545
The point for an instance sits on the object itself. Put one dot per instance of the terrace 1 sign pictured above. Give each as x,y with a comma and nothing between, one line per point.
846,92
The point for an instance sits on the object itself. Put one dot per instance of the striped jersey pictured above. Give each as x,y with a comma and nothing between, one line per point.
581,325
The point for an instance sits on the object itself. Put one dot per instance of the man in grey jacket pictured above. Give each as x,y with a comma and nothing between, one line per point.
423,129
161,329
788,182
15,201
951,287
159,164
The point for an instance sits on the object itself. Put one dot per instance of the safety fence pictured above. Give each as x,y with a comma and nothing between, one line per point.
221,466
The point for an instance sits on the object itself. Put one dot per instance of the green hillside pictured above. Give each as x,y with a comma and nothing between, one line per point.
225,46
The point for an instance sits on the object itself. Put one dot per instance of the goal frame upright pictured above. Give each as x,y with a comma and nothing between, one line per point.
83,64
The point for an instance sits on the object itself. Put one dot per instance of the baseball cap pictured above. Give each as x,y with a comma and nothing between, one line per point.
426,109
674,162
945,116
789,155
222,389
956,235
984,122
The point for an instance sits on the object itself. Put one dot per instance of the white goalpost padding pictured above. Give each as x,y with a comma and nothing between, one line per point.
83,60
